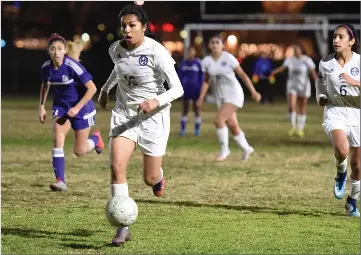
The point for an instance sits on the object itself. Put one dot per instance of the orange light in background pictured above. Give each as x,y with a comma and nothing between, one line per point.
19,44
167,27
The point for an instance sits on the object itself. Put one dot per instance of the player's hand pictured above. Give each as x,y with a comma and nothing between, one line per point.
103,100
73,111
199,102
322,100
272,79
347,79
42,114
255,79
256,96
148,106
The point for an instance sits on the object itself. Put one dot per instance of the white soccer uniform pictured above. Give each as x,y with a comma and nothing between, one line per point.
343,108
298,81
140,74
224,83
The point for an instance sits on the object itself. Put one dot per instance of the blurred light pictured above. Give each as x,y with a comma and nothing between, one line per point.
139,2
110,37
85,37
198,40
151,27
252,48
101,27
183,34
232,40
35,43
19,44
3,43
223,35
167,27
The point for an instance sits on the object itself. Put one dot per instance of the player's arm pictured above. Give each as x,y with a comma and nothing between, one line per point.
313,74
278,70
321,84
204,89
241,74
109,84
90,92
44,90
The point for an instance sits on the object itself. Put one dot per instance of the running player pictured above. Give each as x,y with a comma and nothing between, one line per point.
142,112
191,76
72,106
338,89
220,69
298,87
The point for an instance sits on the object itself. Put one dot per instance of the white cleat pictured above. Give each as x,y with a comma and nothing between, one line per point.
247,153
223,155
58,186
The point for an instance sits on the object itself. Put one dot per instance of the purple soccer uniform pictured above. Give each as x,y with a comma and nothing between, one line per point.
67,83
191,76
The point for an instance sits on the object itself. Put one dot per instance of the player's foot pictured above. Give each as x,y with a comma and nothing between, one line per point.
300,133
247,153
351,208
158,189
182,133
121,236
292,131
59,185
197,132
99,147
223,155
340,185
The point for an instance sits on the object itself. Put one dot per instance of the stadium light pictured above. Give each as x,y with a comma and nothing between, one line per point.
151,27
3,43
85,37
183,34
232,40
101,27
139,2
110,37
198,40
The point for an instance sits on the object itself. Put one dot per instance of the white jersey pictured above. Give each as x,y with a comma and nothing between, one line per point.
224,83
343,99
298,69
140,74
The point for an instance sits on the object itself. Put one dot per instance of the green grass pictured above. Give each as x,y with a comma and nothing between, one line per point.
278,202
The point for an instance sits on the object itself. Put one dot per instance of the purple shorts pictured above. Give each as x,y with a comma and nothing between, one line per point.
84,119
191,94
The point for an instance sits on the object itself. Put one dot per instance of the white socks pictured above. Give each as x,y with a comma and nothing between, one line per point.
354,188
301,121
119,190
222,134
241,141
292,119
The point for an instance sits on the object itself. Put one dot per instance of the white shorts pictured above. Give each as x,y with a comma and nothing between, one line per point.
236,97
151,135
298,89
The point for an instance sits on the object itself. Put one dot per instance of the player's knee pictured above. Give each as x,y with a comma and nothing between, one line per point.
151,179
341,151
79,152
219,123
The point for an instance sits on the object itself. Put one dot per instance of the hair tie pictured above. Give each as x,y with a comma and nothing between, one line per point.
349,29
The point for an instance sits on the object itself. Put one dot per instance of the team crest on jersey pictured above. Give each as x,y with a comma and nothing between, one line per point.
143,60
224,63
354,71
64,78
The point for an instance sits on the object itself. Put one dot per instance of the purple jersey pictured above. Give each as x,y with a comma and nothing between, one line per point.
67,83
191,76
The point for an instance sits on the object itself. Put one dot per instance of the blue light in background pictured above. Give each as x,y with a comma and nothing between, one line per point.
3,43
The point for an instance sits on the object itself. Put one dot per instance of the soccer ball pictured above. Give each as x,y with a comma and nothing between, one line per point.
121,211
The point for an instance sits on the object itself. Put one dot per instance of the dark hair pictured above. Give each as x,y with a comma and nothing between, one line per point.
352,33
218,36
56,38
299,45
142,18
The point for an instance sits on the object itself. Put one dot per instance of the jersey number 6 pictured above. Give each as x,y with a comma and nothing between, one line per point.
131,81
343,91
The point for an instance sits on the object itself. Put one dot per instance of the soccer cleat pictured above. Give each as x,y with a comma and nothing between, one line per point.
223,155
197,132
247,153
158,189
292,131
300,133
351,208
99,147
58,186
121,236
340,185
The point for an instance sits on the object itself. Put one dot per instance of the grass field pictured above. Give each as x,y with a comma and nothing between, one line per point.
278,202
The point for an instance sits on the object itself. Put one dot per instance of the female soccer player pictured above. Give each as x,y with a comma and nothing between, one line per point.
72,106
191,77
298,87
338,89
141,65
220,68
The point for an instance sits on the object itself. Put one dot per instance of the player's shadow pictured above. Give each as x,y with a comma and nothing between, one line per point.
253,209
36,233
304,143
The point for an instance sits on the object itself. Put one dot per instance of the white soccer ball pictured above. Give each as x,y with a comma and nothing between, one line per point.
121,211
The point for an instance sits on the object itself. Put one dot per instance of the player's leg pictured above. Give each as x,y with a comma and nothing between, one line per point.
61,127
301,115
120,150
239,136
197,118
354,186
153,173
184,118
292,100
223,114
341,149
